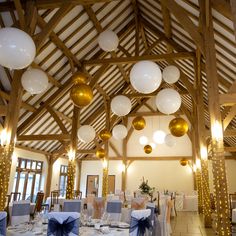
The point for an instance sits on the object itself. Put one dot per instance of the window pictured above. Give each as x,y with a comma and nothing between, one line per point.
63,180
28,178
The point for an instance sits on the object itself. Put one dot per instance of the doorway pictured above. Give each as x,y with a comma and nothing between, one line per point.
92,184
111,184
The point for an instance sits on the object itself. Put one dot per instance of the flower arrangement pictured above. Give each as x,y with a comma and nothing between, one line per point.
145,188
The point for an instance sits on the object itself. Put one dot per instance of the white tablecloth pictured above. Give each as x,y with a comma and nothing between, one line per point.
190,203
234,215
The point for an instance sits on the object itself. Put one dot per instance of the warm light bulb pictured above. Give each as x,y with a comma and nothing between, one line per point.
217,131
204,153
71,155
194,168
104,164
143,140
159,136
198,164
4,137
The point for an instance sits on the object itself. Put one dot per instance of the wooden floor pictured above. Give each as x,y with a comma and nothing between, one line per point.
189,224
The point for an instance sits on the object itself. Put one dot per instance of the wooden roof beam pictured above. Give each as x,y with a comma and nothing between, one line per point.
44,137
134,59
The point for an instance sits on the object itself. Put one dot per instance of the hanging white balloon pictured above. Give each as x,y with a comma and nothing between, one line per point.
159,136
168,101
86,133
143,140
17,48
119,132
145,76
34,81
171,74
121,105
170,140
108,41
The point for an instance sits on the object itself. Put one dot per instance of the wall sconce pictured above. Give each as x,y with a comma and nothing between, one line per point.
204,153
5,138
71,155
217,131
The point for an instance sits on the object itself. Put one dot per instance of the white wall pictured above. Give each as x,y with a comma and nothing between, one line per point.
95,168
56,172
27,155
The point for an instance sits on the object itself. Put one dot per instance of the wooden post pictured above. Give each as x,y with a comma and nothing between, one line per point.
13,110
49,176
218,159
79,164
202,147
73,149
106,159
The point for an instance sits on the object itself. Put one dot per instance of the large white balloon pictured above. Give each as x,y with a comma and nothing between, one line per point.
34,81
119,132
171,74
108,41
145,76
121,105
159,136
170,140
86,133
168,101
17,48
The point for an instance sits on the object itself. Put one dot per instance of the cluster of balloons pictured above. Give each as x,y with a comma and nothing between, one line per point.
17,51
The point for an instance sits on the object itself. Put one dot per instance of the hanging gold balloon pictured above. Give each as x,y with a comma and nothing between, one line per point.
79,78
139,123
81,95
147,149
183,162
100,153
178,127
104,135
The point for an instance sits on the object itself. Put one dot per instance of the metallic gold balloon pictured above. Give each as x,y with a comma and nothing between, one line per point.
183,162
104,135
147,149
79,78
178,127
101,153
139,123
81,95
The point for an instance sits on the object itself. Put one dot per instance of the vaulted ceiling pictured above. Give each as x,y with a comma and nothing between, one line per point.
66,38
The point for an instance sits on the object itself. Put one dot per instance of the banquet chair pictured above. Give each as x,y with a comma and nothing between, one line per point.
20,212
173,197
3,223
63,223
89,200
77,194
15,196
114,209
98,207
138,203
38,203
72,206
54,205
140,224
156,227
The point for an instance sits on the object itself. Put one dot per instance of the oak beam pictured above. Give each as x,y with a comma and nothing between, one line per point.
44,137
134,59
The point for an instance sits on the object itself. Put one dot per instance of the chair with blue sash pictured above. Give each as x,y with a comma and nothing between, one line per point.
63,224
20,212
156,227
114,210
140,224
72,206
3,223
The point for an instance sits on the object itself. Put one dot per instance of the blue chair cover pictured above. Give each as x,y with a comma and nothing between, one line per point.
3,223
70,225
156,227
114,207
142,225
72,206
